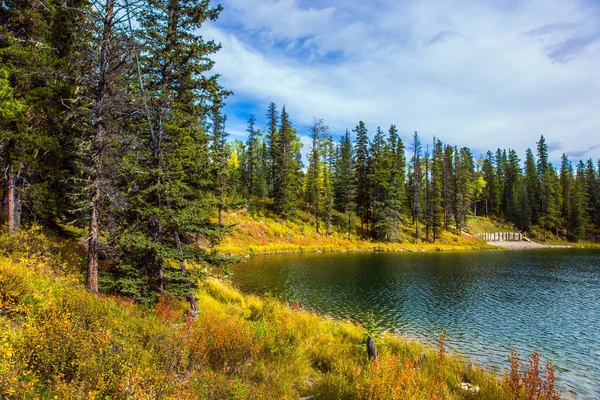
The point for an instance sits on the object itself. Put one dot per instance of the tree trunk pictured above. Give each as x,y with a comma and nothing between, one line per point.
12,201
191,298
100,109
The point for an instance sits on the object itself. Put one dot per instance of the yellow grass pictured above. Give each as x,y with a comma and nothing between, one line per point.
264,233
59,341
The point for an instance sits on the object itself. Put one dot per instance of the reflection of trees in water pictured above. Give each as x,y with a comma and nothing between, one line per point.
487,302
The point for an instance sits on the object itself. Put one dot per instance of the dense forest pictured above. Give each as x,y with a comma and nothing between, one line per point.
437,186
111,120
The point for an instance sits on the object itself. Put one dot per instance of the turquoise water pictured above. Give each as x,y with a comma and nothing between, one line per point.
486,302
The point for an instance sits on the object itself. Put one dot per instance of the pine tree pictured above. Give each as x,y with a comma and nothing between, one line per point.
167,176
448,185
578,206
566,183
36,45
219,155
361,165
543,167
252,156
532,181
397,186
344,183
314,177
437,189
328,154
272,140
287,164
463,162
416,183
380,180
491,194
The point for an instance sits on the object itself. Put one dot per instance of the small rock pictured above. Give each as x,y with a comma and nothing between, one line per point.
467,387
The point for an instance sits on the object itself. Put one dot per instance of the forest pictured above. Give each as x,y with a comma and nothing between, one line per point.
119,175
111,121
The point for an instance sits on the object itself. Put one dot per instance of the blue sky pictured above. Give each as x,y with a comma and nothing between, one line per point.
482,74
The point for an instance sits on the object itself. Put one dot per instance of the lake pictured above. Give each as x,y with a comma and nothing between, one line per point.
487,302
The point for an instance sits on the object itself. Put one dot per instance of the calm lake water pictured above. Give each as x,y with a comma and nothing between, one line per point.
486,302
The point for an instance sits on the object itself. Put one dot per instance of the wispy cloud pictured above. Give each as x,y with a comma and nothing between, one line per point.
501,83
442,37
583,153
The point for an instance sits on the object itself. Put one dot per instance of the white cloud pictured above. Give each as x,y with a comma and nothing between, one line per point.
484,76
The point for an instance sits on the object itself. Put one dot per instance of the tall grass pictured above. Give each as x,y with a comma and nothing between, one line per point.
59,341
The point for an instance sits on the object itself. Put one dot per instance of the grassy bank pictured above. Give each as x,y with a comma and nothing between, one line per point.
59,341
261,232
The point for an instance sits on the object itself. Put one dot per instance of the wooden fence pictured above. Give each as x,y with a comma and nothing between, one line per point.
500,236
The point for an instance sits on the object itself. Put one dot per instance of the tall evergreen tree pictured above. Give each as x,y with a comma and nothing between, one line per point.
448,185
416,183
463,161
167,173
344,179
380,179
397,186
252,156
532,181
315,182
437,189
361,165
286,163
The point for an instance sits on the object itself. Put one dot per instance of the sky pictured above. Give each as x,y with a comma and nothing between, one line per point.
481,74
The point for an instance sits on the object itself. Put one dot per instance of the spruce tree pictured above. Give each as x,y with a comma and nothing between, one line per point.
448,185
287,165
314,177
344,182
252,156
361,165
416,183
532,181
397,186
167,176
437,189
380,180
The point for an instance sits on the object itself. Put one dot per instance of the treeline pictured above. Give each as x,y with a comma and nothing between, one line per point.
436,187
111,120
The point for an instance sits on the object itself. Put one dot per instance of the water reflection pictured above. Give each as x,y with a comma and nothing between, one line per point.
487,302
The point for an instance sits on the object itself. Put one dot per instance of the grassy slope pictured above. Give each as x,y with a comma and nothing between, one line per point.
56,339
261,232
487,225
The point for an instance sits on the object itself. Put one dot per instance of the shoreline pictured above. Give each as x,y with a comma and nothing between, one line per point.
526,245
369,247
251,251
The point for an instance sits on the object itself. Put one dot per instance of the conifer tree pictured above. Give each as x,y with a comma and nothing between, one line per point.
167,172
286,163
416,183
546,188
344,179
566,183
315,179
463,162
361,165
380,179
437,189
328,154
490,194
397,186
578,212
252,156
272,141
448,185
